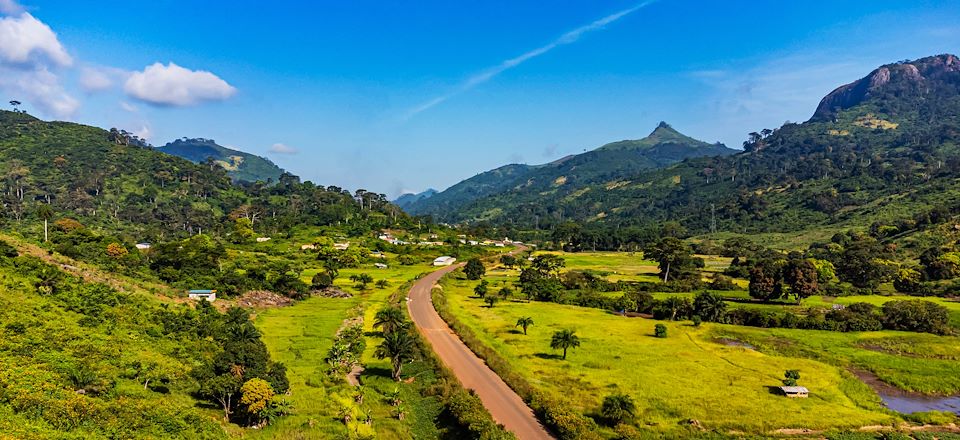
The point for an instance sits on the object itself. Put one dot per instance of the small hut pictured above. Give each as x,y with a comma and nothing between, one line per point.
795,392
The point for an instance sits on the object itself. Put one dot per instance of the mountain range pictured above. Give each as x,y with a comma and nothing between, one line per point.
879,150
240,166
568,176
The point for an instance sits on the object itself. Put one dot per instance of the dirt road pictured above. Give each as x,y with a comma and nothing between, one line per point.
506,407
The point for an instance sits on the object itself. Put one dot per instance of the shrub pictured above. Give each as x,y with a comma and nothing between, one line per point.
660,331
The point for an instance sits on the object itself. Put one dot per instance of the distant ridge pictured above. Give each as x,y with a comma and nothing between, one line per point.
517,182
240,166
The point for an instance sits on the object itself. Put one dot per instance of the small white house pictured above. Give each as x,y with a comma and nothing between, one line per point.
380,265
444,260
143,246
341,246
308,247
208,295
263,239
795,392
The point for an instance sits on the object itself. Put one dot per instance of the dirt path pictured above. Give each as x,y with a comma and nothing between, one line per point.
506,407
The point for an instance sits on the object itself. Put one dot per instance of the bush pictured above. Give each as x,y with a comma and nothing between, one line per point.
660,331
916,315
8,251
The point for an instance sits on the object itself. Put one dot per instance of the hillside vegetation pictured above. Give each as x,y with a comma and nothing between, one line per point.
240,166
565,179
882,149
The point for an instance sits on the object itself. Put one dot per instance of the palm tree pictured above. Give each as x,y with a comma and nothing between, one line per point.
524,322
399,347
617,408
389,320
563,340
45,212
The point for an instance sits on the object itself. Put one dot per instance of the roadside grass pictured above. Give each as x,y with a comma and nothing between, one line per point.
685,376
300,335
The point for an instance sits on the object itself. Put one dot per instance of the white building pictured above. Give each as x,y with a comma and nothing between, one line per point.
209,295
444,261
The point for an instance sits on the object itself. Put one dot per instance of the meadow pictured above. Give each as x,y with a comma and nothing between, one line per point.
300,336
718,377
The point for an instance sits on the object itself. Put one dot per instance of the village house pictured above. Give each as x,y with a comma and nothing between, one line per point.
142,246
444,261
263,239
308,247
341,246
208,295
795,392
380,265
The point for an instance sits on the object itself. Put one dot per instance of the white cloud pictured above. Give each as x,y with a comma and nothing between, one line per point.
99,78
172,85
129,107
490,73
30,56
10,7
279,148
26,41
39,88
144,132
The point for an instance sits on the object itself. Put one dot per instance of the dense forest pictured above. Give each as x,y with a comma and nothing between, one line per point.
108,182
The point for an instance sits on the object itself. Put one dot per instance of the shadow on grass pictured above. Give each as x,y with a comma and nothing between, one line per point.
515,332
379,372
774,389
548,356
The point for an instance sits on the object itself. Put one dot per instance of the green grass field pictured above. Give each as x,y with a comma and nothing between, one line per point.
685,376
300,335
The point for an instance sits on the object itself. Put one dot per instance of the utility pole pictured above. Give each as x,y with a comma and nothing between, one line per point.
713,219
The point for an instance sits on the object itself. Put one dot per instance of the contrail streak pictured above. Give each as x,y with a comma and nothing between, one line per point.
492,72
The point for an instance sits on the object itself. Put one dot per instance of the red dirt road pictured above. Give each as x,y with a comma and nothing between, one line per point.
506,407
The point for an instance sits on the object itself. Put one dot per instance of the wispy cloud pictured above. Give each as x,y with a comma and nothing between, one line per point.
490,73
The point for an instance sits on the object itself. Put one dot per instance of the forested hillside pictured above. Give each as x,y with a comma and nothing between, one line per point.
880,150
240,166
55,169
565,178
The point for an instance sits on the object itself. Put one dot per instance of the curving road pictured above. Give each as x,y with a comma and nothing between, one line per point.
506,407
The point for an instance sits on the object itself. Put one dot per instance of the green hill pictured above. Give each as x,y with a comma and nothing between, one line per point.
880,151
85,173
240,166
408,199
551,183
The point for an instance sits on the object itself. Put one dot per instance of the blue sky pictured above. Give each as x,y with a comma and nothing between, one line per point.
405,95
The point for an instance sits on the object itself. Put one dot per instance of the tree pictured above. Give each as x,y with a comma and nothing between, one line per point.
390,320
491,300
474,269
765,280
505,292
709,306
222,388
673,257
617,408
16,105
508,261
524,322
116,251
564,340
45,212
382,284
801,278
321,281
243,230
660,331
362,280
548,265
481,289
255,396
790,378
399,347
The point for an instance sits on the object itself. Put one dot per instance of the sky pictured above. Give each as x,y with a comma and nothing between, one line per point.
401,96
